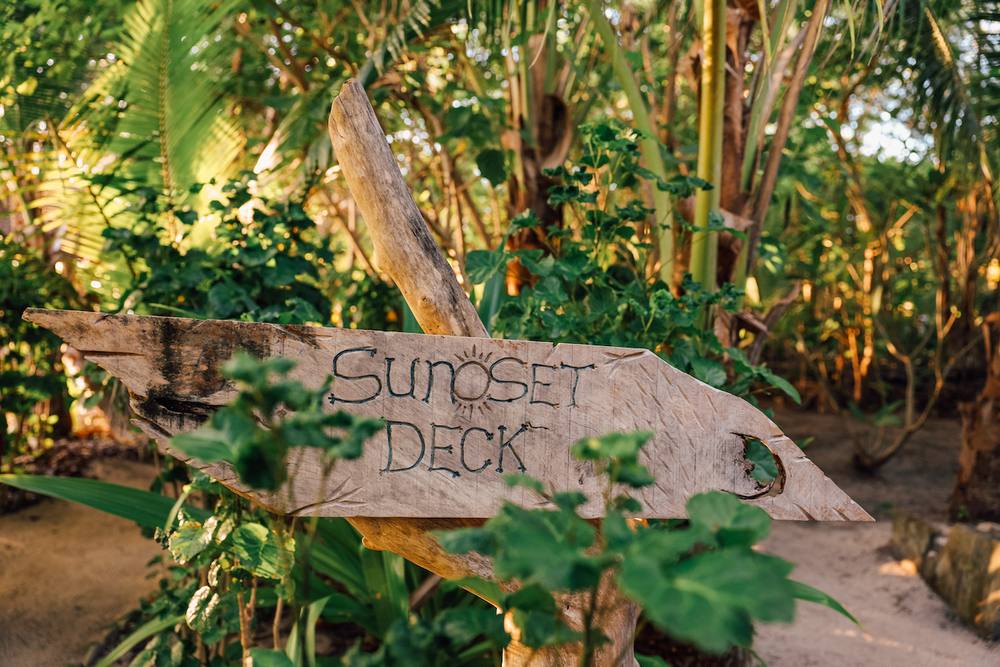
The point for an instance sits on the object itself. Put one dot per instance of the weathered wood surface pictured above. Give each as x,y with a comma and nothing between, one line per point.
460,413
404,247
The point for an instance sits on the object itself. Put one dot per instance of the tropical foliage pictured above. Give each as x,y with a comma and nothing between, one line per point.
808,183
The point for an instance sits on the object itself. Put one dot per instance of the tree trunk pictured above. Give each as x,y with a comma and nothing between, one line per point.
977,489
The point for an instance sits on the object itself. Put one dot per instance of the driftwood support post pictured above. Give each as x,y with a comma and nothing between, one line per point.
405,250
404,247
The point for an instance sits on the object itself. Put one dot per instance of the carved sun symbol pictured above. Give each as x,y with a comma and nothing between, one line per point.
472,381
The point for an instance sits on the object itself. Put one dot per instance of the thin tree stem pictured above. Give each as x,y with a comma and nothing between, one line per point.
704,244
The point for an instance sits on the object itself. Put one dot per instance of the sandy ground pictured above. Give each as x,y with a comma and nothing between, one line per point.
66,571
905,623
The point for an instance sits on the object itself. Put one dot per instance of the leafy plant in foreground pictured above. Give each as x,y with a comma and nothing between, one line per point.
254,433
235,563
700,579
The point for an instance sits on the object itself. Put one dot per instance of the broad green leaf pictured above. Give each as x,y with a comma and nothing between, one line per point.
655,552
535,262
224,299
626,504
143,507
491,164
207,444
464,625
740,362
601,301
708,371
568,501
712,599
532,598
781,383
540,629
189,540
519,535
258,551
202,609
616,532
765,468
481,265
550,290
261,464
735,523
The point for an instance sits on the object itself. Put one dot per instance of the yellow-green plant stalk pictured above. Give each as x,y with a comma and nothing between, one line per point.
704,244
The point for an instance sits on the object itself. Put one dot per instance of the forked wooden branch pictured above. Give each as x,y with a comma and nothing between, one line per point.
405,249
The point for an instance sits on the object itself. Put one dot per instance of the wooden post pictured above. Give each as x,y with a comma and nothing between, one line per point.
405,250
404,247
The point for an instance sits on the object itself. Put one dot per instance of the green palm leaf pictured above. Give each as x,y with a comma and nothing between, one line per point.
169,81
144,507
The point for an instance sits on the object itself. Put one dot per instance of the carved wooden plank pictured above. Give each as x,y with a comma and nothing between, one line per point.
460,413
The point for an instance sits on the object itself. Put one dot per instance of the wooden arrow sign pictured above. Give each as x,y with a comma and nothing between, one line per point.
460,413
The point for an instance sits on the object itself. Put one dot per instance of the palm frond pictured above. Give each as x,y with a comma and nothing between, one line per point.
954,73
156,117
424,15
163,103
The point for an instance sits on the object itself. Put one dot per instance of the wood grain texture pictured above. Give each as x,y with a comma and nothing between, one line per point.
404,247
461,412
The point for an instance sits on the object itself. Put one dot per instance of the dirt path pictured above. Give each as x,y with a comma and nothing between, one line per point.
67,571
905,623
